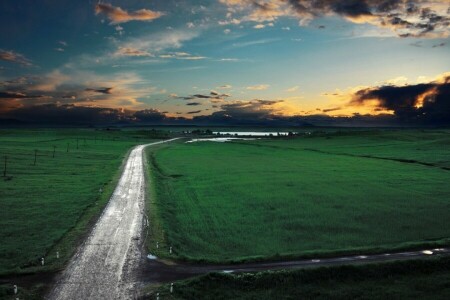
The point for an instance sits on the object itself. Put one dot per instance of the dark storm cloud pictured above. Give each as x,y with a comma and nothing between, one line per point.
247,110
255,112
395,14
201,96
67,114
149,115
423,103
100,90
17,95
211,95
408,18
439,45
23,80
263,112
331,109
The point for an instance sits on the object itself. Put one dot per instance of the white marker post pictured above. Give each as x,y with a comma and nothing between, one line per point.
42,261
157,245
15,289
170,250
157,296
171,288
57,254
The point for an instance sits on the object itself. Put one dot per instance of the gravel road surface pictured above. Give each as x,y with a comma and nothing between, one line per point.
106,265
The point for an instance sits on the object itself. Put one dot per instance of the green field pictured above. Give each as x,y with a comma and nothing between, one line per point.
426,279
47,206
318,194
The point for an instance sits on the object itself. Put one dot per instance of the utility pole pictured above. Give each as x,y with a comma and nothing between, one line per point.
35,156
4,171
54,149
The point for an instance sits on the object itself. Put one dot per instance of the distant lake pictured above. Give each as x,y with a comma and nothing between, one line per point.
219,139
250,133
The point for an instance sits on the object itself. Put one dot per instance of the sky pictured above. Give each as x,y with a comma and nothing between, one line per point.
222,61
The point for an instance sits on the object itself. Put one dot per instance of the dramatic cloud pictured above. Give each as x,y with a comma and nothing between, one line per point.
331,109
62,46
101,91
249,110
230,59
124,90
407,18
67,114
156,44
149,115
293,89
259,87
182,56
253,43
15,57
439,45
15,95
60,114
211,95
129,51
117,15
424,103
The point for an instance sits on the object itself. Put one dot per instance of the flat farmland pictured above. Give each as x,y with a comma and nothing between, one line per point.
318,194
47,205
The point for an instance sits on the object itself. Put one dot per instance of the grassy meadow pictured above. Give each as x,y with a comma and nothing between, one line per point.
47,206
318,194
425,279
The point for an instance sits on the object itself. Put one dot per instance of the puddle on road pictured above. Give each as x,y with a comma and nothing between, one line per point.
151,257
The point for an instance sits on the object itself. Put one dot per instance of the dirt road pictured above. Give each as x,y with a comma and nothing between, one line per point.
157,271
105,266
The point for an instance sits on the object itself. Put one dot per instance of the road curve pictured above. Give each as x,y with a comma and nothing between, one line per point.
105,266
